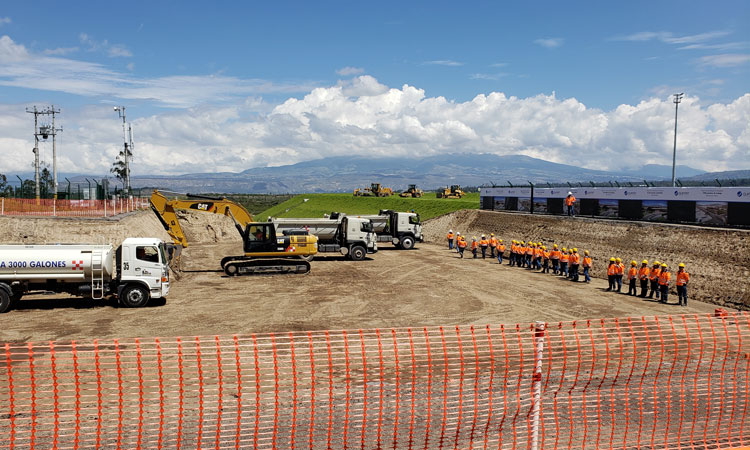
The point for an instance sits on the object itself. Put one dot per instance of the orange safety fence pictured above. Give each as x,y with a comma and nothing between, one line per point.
70,208
646,382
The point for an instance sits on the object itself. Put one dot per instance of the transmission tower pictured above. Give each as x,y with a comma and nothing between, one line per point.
45,131
121,112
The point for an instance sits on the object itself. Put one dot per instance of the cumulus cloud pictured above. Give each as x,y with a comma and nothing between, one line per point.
549,42
364,117
348,71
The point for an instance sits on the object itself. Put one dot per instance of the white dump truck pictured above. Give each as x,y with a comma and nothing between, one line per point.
338,233
403,229
136,271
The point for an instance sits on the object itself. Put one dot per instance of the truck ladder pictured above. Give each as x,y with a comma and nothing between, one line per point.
97,276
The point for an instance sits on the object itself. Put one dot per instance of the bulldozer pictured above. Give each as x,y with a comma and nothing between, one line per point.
453,192
266,251
375,190
413,191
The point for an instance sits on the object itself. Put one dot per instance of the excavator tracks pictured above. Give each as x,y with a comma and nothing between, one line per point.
241,267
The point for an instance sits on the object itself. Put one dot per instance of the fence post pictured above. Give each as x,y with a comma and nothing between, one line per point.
54,206
105,206
537,383
2,209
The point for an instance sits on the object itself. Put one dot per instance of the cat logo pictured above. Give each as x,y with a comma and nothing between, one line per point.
203,206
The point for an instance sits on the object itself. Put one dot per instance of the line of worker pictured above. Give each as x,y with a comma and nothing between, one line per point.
657,278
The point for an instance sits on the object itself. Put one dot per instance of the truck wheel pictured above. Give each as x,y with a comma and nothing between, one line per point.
358,253
407,242
4,301
134,296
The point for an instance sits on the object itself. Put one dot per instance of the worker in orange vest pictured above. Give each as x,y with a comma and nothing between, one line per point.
500,250
564,259
570,201
474,246
484,243
654,279
545,258
461,246
643,274
521,256
493,245
450,239
529,251
620,273
586,266
575,263
664,277
632,277
554,256
682,281
611,274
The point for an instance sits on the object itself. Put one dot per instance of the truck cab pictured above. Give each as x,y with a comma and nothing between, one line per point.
403,229
144,270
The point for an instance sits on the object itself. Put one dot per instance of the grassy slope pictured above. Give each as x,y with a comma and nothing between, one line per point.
319,204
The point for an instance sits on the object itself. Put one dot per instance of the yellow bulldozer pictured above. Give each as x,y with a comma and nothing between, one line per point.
413,191
453,192
375,190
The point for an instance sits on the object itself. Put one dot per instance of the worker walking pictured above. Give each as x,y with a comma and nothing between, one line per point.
654,278
493,245
570,201
643,274
564,259
664,278
554,257
586,266
620,273
500,251
450,239
545,257
461,246
484,243
455,243
474,246
611,273
632,277
575,260
681,281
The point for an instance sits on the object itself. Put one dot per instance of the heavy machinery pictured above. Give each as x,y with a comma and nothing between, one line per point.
402,229
413,191
337,233
136,271
375,190
267,250
453,192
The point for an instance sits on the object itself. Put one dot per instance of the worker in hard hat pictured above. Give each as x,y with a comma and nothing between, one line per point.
654,279
611,273
474,246
528,251
681,281
575,263
493,245
564,259
664,277
545,259
586,266
554,257
620,273
455,243
461,245
521,256
570,201
632,278
450,239
483,244
643,274
539,256
500,250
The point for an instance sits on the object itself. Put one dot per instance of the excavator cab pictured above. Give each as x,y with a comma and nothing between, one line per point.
260,237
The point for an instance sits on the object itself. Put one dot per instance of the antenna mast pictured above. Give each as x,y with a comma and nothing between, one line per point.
45,131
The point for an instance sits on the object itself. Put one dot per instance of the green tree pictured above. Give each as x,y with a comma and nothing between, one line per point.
46,183
118,167
4,188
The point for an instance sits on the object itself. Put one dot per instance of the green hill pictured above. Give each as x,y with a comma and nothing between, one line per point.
315,205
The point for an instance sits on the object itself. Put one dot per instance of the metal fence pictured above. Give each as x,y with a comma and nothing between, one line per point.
70,208
645,382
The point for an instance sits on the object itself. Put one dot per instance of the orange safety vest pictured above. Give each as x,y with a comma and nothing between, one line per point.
620,269
632,273
461,243
501,248
664,278
575,258
474,245
450,235
587,261
682,278
643,273
655,274
565,258
546,255
493,242
570,200
555,254
612,269
483,242
529,250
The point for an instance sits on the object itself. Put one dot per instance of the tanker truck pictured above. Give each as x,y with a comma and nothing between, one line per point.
338,233
135,272
402,229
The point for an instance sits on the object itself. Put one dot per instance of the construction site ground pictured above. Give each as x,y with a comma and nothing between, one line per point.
392,288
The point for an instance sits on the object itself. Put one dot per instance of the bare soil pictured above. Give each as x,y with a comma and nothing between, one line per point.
426,286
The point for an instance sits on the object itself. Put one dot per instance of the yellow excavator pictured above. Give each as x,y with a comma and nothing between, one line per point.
265,251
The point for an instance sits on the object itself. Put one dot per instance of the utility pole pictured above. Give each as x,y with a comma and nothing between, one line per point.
677,99
45,131
121,112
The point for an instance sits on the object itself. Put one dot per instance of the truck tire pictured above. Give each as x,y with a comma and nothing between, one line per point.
134,296
407,242
358,253
4,301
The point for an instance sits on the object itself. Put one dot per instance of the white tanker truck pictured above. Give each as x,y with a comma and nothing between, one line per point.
136,271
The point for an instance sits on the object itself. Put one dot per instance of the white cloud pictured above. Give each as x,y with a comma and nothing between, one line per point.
111,50
670,38
364,117
4,21
348,71
487,76
60,51
549,42
725,60
443,62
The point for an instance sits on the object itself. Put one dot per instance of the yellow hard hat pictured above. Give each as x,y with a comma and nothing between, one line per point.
645,261
618,260
565,249
492,234
500,240
585,252
656,263
611,259
544,247
555,246
473,238
664,264
522,242
632,263
681,265
538,243
575,249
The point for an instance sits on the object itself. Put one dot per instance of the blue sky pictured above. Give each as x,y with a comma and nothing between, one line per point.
167,58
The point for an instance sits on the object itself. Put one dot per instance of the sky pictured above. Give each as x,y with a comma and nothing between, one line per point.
226,86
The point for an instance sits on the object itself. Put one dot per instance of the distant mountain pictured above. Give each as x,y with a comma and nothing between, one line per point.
725,175
662,172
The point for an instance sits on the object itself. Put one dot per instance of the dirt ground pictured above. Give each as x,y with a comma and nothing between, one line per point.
393,288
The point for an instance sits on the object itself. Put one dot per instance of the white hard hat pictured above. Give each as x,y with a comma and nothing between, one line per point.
570,193
458,232
450,231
